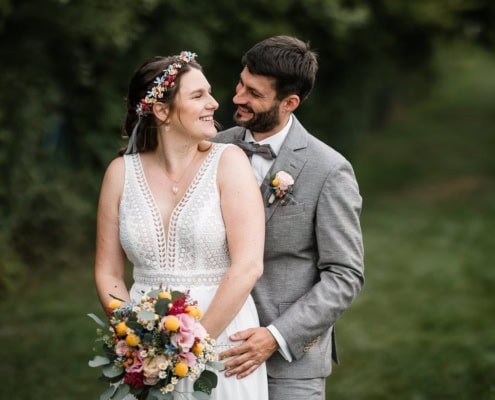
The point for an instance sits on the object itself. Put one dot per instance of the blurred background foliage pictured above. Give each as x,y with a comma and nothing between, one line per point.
405,91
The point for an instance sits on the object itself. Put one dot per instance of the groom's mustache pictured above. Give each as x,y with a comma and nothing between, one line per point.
245,108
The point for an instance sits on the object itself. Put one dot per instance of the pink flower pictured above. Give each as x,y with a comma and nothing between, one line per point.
189,358
281,185
121,348
284,180
199,331
137,365
184,339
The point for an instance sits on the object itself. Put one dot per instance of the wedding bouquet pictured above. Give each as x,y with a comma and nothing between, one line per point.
150,345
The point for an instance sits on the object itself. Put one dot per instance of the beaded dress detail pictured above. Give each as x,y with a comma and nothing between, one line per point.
190,254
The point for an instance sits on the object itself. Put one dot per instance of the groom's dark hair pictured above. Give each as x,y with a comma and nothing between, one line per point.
288,60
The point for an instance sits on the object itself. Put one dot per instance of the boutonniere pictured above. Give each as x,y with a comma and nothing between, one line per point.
281,186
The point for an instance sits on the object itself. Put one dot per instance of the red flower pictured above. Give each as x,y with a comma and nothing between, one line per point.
134,379
178,306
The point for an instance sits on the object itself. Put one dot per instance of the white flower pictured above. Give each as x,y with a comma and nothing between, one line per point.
163,365
162,374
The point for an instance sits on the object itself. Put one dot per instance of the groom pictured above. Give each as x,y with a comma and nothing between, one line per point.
313,262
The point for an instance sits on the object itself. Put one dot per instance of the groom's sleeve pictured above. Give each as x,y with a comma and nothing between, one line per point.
283,347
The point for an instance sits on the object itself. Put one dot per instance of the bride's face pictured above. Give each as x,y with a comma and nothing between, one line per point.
194,107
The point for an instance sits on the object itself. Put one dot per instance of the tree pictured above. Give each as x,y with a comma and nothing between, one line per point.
65,66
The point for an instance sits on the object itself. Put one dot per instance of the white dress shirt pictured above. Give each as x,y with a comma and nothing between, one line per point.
261,166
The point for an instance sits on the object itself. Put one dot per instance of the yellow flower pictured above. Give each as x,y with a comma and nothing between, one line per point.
121,329
194,312
197,348
172,323
275,182
132,339
114,304
181,369
165,295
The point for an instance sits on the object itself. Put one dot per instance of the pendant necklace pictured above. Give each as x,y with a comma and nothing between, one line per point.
175,183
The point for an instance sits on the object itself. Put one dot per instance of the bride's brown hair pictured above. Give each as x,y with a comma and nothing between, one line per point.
141,82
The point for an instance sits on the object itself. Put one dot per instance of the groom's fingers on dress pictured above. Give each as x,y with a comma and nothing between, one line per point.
233,351
241,369
235,362
242,363
241,335
248,372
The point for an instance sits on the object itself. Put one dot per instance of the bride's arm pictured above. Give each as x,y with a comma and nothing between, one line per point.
244,218
110,258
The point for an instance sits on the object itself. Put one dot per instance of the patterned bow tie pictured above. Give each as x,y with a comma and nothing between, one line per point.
250,148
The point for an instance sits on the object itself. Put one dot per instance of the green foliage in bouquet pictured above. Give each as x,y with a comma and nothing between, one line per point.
149,346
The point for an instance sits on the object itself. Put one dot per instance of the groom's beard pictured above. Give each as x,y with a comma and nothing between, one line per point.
261,122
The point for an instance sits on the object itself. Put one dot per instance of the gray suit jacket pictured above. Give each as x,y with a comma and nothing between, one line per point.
313,261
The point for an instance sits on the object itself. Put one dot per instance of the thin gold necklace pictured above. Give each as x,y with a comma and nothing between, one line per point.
175,183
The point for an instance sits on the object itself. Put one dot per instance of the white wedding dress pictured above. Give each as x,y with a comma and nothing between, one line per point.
192,254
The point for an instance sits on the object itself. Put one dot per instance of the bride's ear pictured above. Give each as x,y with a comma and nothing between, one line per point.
161,111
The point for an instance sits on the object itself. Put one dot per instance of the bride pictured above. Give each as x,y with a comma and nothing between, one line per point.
185,212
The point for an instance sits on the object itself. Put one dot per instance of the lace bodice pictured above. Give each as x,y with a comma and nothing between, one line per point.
195,252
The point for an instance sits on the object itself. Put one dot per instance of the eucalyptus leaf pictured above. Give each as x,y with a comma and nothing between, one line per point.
131,317
150,396
216,365
97,320
158,395
211,376
206,382
122,391
107,394
98,361
146,315
133,325
203,385
162,307
201,395
153,293
176,295
111,371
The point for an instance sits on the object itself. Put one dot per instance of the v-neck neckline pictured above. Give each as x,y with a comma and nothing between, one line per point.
169,233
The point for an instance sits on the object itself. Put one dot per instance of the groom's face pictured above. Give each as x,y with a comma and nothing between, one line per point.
257,106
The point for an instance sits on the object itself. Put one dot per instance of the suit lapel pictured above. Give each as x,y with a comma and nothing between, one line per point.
291,159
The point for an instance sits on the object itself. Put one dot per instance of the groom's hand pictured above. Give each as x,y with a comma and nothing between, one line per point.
259,345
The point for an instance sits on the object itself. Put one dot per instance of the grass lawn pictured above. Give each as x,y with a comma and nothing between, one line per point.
423,326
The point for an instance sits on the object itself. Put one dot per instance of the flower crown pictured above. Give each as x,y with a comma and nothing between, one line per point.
162,83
